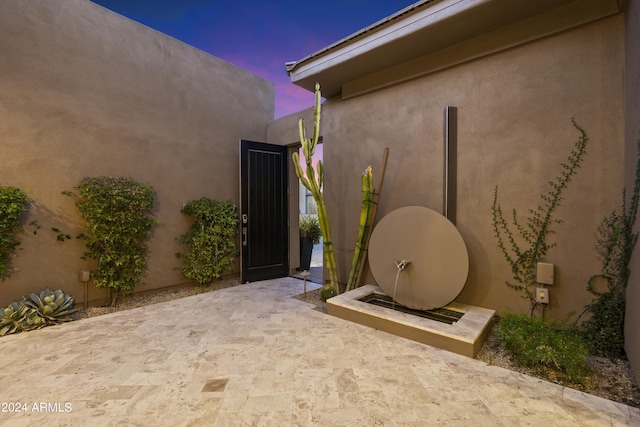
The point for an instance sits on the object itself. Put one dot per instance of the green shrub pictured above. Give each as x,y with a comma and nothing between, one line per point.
12,203
118,219
211,240
535,342
604,330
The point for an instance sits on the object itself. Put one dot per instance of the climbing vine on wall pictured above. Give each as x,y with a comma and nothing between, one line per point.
13,202
118,219
604,330
210,242
524,244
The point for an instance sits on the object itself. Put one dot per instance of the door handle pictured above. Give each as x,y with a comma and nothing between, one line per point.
244,236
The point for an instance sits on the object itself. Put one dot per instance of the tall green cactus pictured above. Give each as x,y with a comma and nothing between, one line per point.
313,182
366,213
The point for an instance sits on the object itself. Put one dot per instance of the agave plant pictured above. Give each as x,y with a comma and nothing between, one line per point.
52,306
31,319
11,318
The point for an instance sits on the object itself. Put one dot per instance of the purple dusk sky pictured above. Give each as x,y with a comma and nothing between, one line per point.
260,35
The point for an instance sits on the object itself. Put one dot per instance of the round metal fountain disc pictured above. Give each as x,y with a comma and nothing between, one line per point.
439,262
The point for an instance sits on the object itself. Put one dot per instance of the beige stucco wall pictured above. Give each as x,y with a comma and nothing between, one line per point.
632,116
514,113
88,92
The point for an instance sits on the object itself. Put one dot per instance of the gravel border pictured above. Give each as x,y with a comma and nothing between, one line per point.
134,301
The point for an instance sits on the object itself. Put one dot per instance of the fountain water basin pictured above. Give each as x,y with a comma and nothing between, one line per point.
465,336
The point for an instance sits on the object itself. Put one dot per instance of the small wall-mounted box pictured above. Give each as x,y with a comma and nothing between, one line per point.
544,273
85,275
542,295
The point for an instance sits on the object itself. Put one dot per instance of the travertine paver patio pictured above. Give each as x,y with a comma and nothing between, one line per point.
251,355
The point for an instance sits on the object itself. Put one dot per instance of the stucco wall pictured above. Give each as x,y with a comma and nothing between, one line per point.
514,129
88,92
632,116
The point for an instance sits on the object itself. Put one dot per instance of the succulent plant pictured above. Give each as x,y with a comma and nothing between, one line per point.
32,319
11,318
52,306
36,312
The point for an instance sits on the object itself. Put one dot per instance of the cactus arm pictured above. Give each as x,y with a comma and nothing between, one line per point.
320,174
296,164
303,137
316,117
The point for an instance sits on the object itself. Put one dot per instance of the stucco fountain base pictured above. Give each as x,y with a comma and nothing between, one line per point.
464,337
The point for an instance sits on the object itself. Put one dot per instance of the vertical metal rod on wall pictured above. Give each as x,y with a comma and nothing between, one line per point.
450,163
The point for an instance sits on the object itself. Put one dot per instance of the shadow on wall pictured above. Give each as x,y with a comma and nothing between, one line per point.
475,289
48,235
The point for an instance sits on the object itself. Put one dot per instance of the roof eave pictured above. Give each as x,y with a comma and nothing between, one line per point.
423,28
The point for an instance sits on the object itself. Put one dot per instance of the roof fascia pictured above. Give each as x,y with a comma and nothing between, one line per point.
422,29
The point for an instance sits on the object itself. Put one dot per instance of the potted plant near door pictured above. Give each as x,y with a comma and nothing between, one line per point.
309,235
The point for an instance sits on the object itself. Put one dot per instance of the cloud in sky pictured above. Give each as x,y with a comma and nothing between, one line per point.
260,35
